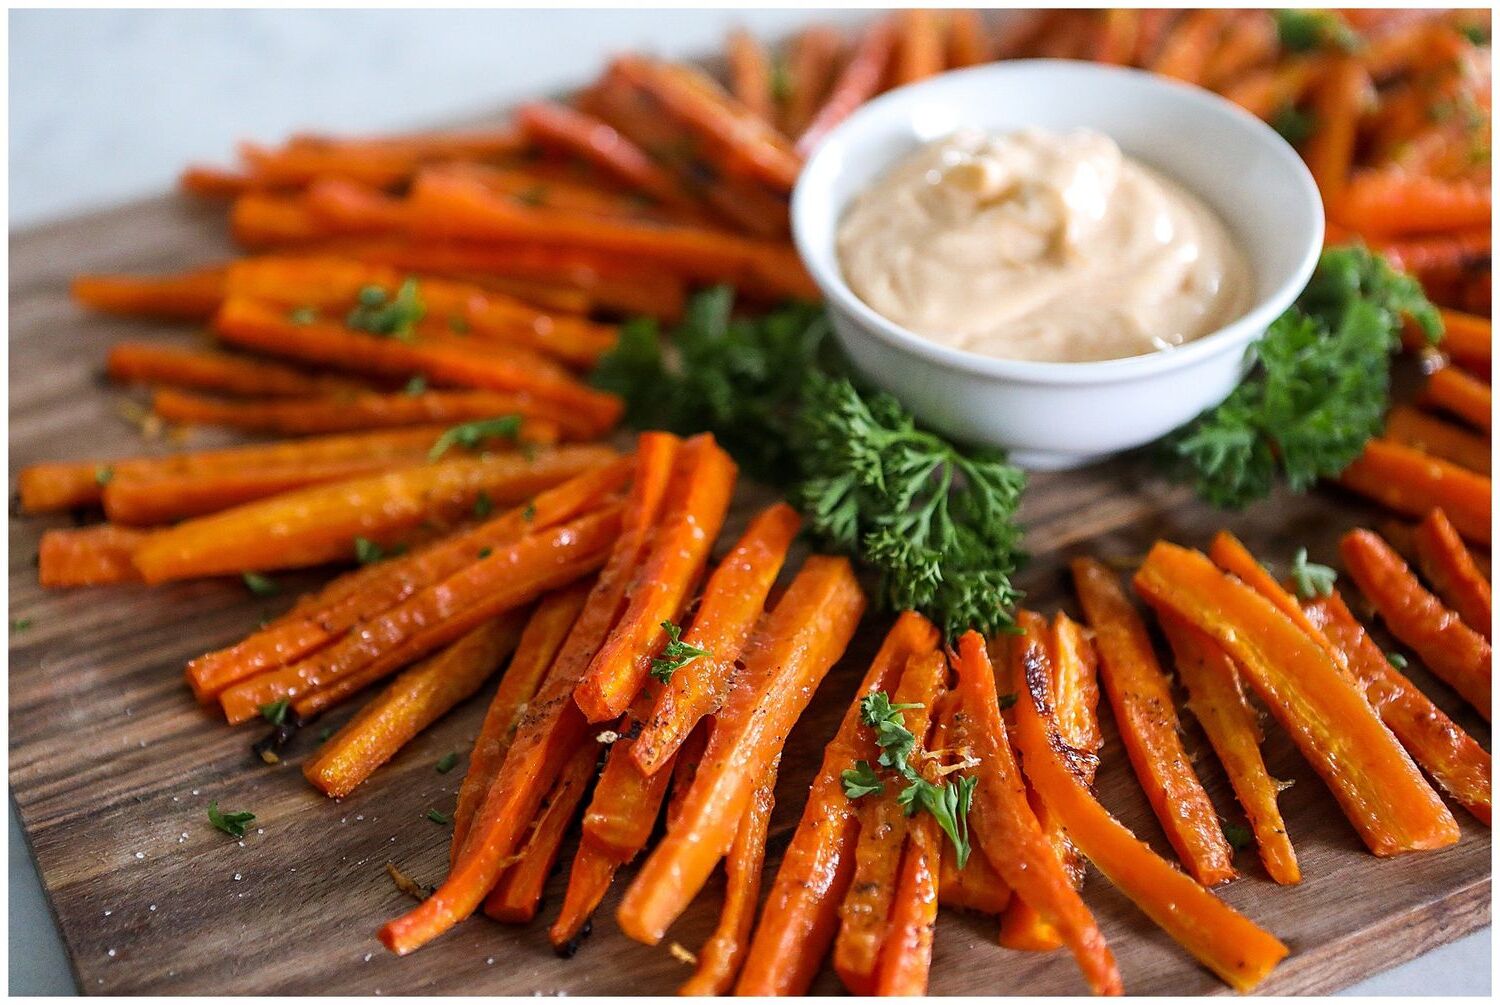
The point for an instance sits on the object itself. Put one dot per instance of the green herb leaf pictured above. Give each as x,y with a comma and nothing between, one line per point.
104,475
260,586
303,315
1312,580
1306,30
1398,661
416,386
20,624
529,513
949,804
675,655
394,317
470,435
1239,836
324,734
891,735
232,824
781,80
482,505
1008,700
486,551
1294,124
1475,33
861,780
446,763
437,818
275,712
367,551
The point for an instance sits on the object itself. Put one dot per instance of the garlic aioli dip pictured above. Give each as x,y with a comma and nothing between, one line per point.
1041,246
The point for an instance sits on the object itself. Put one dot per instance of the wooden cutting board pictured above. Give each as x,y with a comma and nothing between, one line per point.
112,765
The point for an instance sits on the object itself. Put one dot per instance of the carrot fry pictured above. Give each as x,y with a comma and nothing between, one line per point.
88,556
800,917
1467,339
800,640
1388,203
552,726
1452,757
907,956
189,296
859,82
213,183
260,219
414,701
1008,830
319,524
1450,568
814,61
539,642
1454,652
1441,439
721,956
1376,784
975,887
750,73
1215,698
157,363
1220,938
1248,42
698,500
1337,103
969,42
1115,38
1141,696
1412,483
598,143
1191,43
350,207
1265,92
518,894
1460,394
919,49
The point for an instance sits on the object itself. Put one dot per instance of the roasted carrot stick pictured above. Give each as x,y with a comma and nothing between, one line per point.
1265,92
859,82
1223,940
1141,696
414,701
1450,568
552,727
539,642
1439,438
906,957
1410,482
1008,829
598,143
516,897
1388,203
1376,784
1215,698
975,887
697,502
206,370
722,955
865,917
919,49
969,42
801,912
319,524
801,639
1337,103
731,604
1452,757
88,556
814,61
1248,41
213,183
750,73
1114,38
260,219
1467,339
350,207
1191,43
1460,394
1453,651
188,296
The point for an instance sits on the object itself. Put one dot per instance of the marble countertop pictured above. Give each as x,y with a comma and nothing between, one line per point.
106,106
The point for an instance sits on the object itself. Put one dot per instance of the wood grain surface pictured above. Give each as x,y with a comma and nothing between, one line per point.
112,765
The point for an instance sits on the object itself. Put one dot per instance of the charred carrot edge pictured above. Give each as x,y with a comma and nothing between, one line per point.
366,593
319,524
720,957
1389,202
1462,395
1454,759
1337,104
1141,696
1215,698
552,727
698,500
906,958
539,642
1413,483
969,43
1008,829
1188,47
414,701
801,639
88,556
518,894
1441,439
589,879
865,917
188,296
975,887
1453,651
859,82
598,143
1374,781
1450,568
1233,947
750,73
814,60
206,370
800,916
732,602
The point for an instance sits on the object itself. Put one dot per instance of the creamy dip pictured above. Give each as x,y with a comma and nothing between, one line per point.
1041,246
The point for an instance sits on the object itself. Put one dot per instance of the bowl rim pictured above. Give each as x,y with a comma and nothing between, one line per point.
1253,322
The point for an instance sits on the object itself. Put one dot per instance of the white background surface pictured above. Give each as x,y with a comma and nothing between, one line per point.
107,106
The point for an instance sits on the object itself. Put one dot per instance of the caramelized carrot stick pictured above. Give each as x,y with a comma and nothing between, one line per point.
261,219
1141,696
1390,202
1215,697
801,639
859,82
516,897
1467,339
414,701
1188,47
1410,482
1464,396
350,207
1337,103
800,916
552,727
1441,439
919,51
815,54
975,887
1452,757
1450,568
1265,92
1454,652
731,604
599,144
1248,42
1376,784
206,370
721,956
697,502
969,43
1008,829
88,556
907,956
538,644
188,296
1220,938
750,73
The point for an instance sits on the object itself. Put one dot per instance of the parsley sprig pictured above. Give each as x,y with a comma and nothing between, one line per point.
675,655
1311,579
470,435
379,313
232,824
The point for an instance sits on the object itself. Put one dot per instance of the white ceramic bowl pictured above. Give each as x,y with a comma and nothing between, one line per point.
1061,415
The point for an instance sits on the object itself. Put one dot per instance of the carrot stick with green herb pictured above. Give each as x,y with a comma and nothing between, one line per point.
859,82
1450,568
88,556
1413,483
207,370
1458,393
1439,438
187,296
